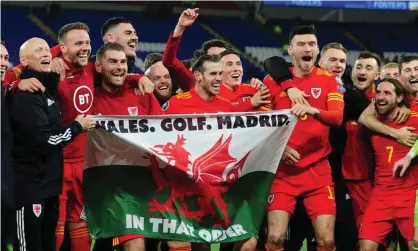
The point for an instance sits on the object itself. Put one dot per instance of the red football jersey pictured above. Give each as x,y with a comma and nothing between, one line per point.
191,103
76,92
76,96
386,152
357,159
240,98
124,102
414,103
310,138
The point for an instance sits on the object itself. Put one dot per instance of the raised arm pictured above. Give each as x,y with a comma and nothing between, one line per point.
180,74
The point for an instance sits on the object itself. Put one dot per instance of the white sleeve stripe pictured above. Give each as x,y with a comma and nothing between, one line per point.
68,131
56,139
61,137
66,137
21,229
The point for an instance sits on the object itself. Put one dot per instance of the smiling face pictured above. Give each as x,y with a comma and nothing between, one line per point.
35,54
114,68
334,60
409,75
365,71
76,47
160,77
125,35
210,79
232,70
304,50
386,99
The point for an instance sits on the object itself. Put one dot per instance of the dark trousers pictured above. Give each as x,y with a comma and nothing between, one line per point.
36,225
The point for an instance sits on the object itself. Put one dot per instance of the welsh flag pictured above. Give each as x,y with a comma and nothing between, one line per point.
196,178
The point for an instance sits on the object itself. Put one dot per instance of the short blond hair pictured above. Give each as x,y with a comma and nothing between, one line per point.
390,65
336,46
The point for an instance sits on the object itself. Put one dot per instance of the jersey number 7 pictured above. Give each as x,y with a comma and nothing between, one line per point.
390,148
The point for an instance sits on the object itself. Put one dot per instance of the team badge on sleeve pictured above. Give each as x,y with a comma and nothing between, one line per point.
83,215
165,106
316,92
339,80
340,84
37,209
133,111
270,198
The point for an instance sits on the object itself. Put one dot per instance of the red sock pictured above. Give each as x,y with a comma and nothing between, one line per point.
325,249
268,248
60,229
59,235
181,249
80,239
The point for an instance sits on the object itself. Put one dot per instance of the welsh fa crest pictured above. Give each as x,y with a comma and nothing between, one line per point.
37,209
316,92
133,111
270,198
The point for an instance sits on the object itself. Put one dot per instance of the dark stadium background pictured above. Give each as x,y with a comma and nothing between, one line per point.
257,29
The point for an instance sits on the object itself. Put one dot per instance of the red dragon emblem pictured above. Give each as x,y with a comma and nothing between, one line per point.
208,177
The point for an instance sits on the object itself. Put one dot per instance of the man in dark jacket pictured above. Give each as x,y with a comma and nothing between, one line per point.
38,140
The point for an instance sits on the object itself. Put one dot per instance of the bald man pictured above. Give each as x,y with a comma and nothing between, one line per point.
38,141
160,77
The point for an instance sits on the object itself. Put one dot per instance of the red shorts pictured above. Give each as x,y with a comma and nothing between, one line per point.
124,238
383,212
317,191
360,193
71,198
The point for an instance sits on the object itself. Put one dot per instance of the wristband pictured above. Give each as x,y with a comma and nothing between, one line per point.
411,154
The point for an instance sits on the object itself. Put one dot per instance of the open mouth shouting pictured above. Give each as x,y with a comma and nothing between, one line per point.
235,77
381,104
118,76
3,70
338,72
83,56
307,59
132,44
307,62
216,85
164,89
45,65
413,80
46,62
361,79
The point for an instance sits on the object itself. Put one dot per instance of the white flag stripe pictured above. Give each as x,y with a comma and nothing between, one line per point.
260,137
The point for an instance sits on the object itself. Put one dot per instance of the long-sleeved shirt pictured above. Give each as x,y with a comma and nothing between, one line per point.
39,139
180,75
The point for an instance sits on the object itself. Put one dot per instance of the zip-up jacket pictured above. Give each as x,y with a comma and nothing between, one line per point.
38,140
